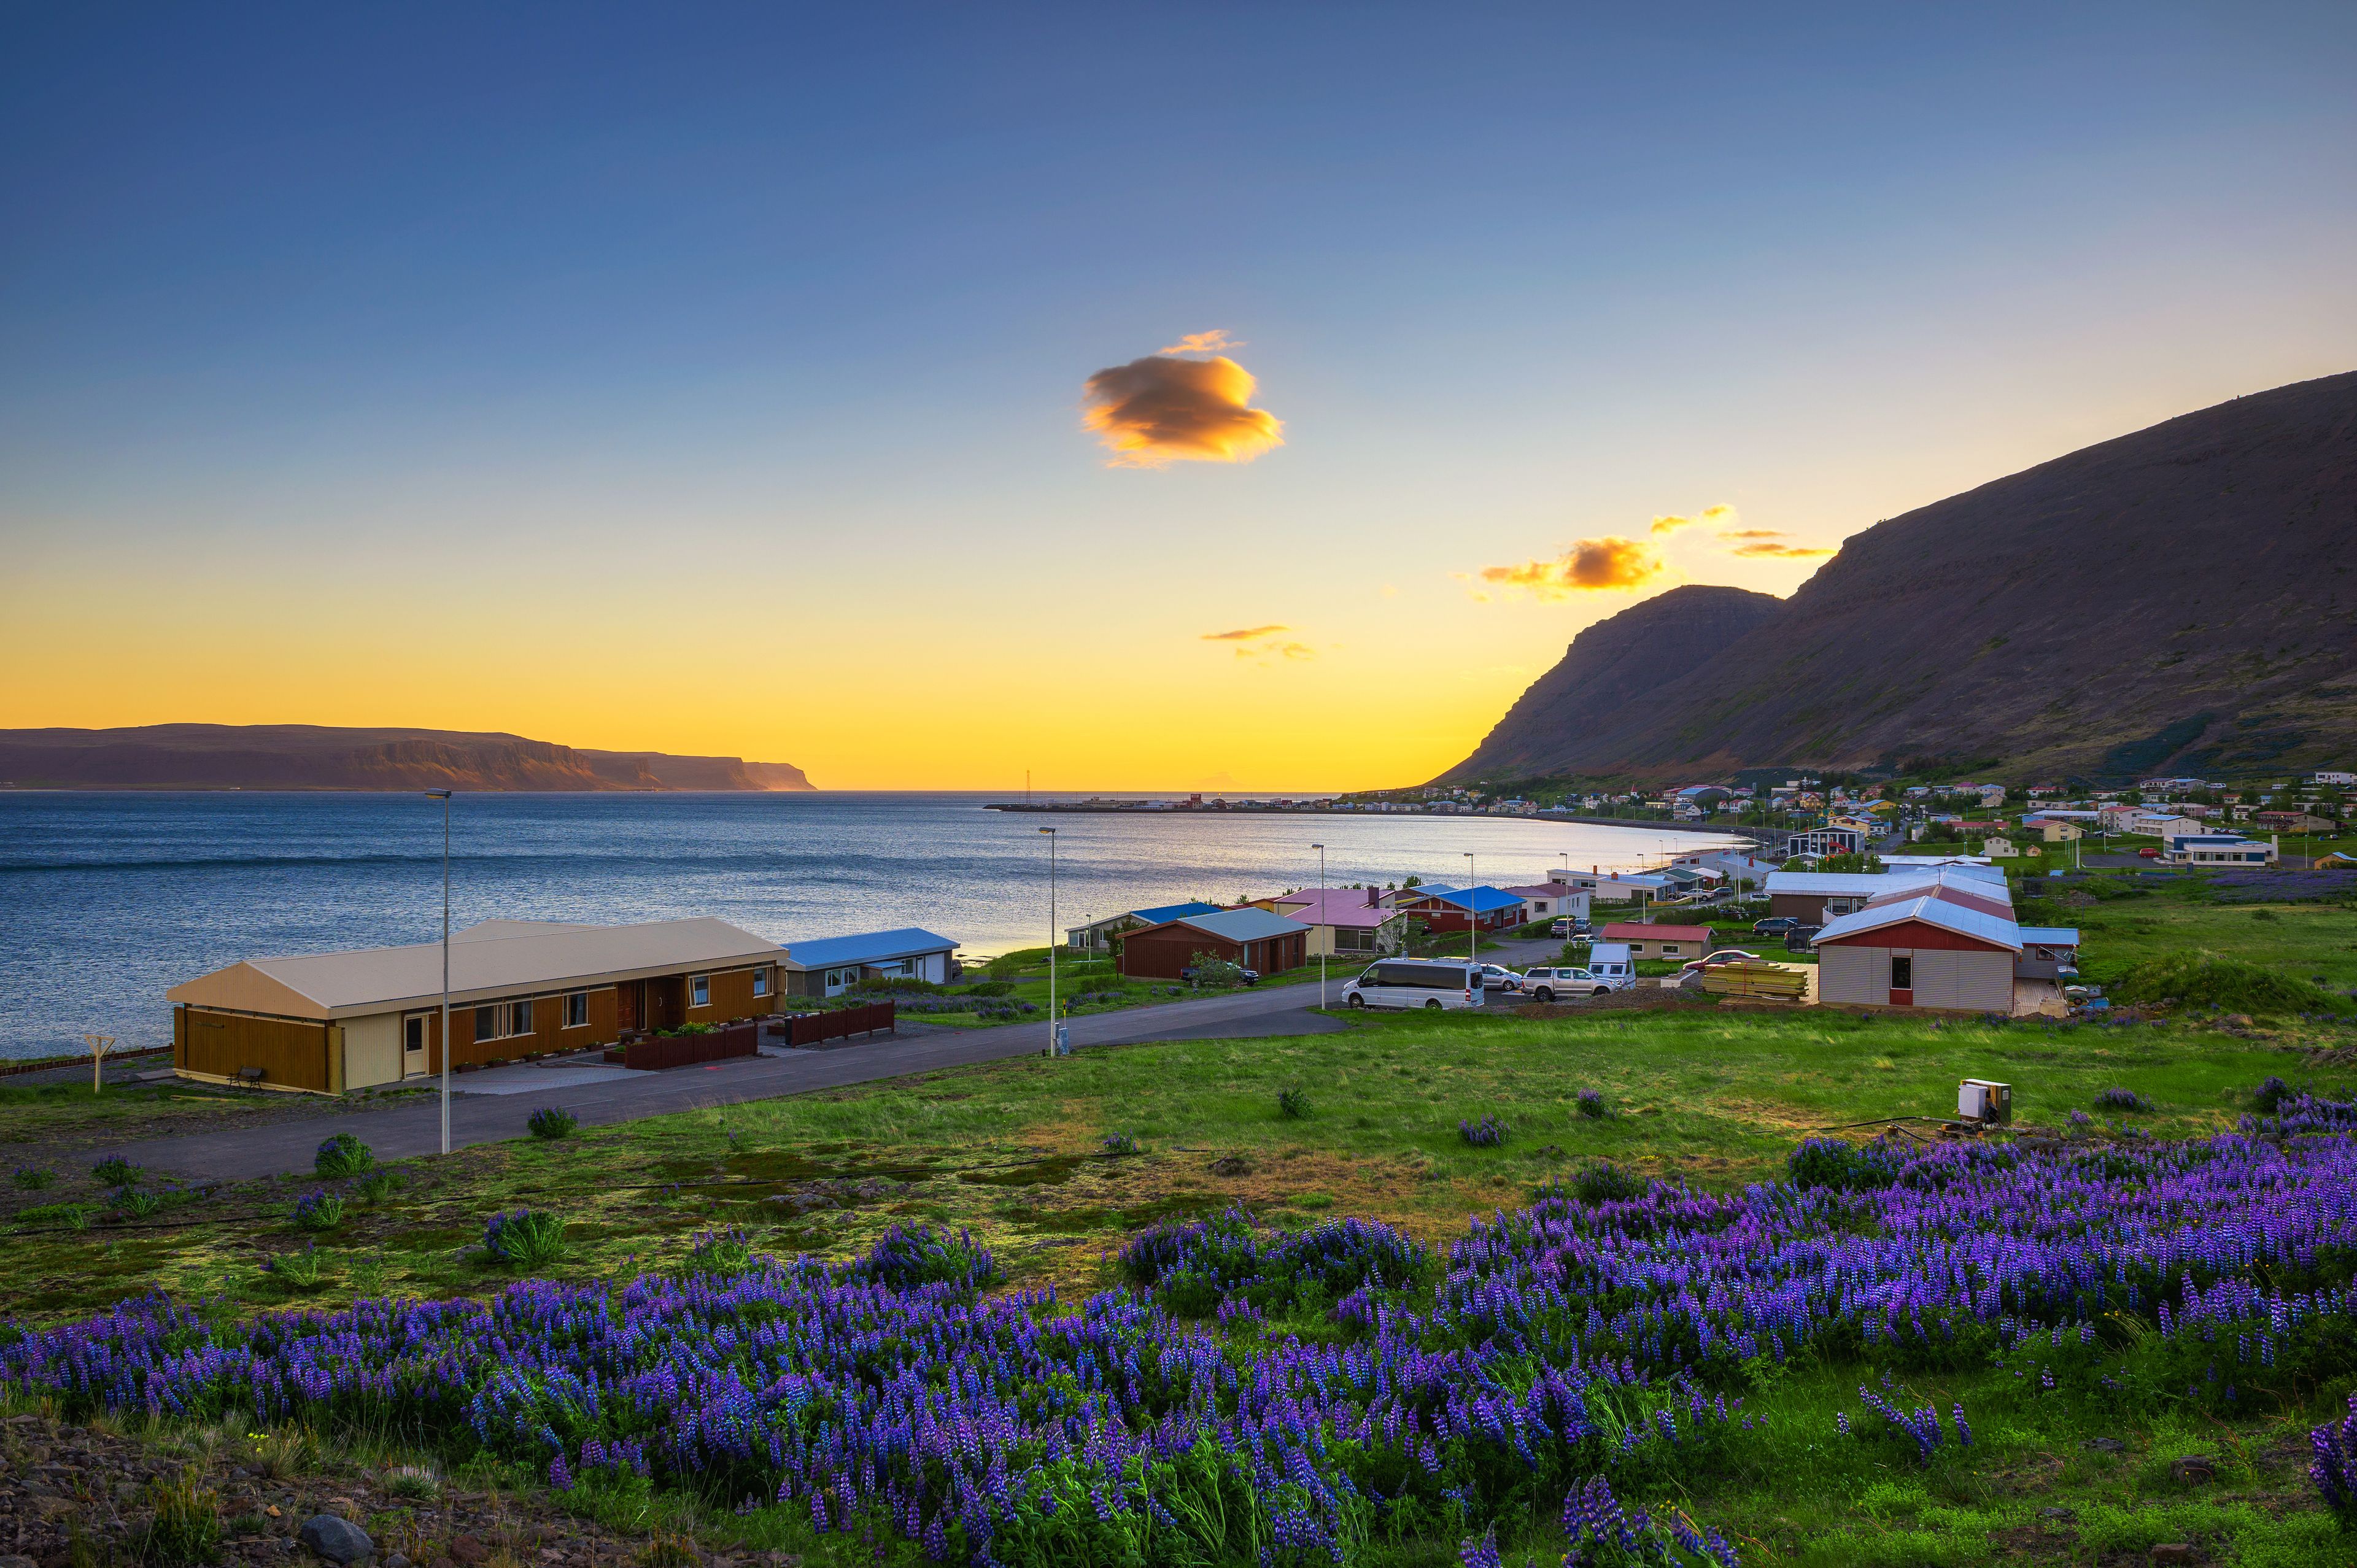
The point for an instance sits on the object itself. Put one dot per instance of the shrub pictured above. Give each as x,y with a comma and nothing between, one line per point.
526,1238
1843,1166
341,1156
2335,1468
907,1256
378,1185
1605,1182
1215,972
319,1211
116,1171
72,1215
1489,1133
1591,1102
551,1122
32,1179
135,1203
683,1030
185,1523
992,988
2232,985
1193,1267
1293,1104
2122,1100
1119,1143
2271,1094
297,1271
719,1254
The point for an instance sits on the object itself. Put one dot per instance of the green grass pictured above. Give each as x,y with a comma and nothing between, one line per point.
2125,921
1011,1149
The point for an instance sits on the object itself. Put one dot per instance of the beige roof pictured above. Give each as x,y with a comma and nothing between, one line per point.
495,959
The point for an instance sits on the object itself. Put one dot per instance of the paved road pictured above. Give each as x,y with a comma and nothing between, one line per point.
410,1130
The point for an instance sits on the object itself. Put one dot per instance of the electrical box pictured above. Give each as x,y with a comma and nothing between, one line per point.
1990,1104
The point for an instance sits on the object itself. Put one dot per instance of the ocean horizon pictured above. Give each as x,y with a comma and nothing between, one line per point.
110,898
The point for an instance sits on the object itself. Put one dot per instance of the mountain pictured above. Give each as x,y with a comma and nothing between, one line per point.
312,757
2182,599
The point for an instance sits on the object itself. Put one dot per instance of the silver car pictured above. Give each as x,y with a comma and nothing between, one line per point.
1546,984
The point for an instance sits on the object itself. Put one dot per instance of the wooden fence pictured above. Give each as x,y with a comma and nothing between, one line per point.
815,1028
738,1039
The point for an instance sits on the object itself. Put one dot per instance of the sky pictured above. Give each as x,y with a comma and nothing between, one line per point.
1241,397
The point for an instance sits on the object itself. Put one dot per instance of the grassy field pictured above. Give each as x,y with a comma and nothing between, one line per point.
1015,1151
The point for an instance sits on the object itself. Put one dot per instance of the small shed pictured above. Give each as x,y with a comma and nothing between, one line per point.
1924,951
1650,941
1258,940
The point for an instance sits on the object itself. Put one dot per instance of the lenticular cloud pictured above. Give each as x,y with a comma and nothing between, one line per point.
1162,409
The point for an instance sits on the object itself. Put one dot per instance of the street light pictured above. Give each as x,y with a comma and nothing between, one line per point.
1472,921
1051,938
1324,919
444,796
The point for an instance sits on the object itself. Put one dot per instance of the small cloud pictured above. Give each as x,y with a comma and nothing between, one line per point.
1390,590
1245,634
1751,534
1589,566
1212,342
1763,548
1159,409
1299,651
1711,516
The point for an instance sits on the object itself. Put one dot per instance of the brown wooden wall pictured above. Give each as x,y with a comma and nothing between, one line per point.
547,1034
293,1053
1160,955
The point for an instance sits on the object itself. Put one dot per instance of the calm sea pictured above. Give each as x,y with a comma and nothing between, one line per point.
108,900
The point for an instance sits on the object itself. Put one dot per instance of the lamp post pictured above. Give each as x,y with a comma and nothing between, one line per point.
1323,921
444,796
1051,937
1472,921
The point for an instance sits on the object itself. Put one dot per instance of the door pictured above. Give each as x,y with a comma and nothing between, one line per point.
629,1003
1903,979
413,1030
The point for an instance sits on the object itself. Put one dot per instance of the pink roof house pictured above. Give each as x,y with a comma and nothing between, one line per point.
1344,919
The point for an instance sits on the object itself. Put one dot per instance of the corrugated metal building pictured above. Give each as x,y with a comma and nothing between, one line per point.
1256,938
332,1021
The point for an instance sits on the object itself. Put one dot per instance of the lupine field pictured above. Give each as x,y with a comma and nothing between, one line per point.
1572,1376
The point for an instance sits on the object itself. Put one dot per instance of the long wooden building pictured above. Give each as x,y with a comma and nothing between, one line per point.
333,1022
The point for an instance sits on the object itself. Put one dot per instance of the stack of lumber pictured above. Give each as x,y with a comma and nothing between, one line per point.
1756,978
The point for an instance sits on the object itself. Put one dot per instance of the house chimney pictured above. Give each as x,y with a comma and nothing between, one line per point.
1374,898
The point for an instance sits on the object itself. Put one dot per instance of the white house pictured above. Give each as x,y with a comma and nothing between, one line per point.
2216,849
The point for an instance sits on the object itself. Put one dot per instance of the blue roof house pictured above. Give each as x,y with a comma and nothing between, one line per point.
1097,935
828,966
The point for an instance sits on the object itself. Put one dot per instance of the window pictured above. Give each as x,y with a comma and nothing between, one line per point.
520,1017
576,1009
761,981
1902,972
487,1023
699,990
1669,950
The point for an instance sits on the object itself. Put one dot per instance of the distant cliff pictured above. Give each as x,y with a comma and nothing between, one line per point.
313,756
2179,600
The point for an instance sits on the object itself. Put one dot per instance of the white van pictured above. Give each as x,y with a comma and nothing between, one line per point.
1415,983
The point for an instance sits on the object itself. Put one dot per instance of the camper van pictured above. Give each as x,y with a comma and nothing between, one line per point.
1611,961
1415,983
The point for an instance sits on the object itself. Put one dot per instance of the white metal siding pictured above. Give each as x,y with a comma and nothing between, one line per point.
1853,977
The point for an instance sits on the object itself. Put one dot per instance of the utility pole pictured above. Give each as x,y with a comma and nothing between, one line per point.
444,796
1054,1031
1472,920
1325,921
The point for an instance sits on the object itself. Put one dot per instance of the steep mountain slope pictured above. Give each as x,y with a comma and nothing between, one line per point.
312,757
2183,598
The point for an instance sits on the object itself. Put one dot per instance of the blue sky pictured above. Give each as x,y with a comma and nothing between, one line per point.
418,340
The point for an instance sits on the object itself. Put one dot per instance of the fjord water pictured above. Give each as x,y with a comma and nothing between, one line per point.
107,899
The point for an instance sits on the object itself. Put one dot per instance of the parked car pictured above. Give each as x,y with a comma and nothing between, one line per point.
2149,852
1497,977
1568,928
1774,925
1546,984
1723,955
1415,983
1801,937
